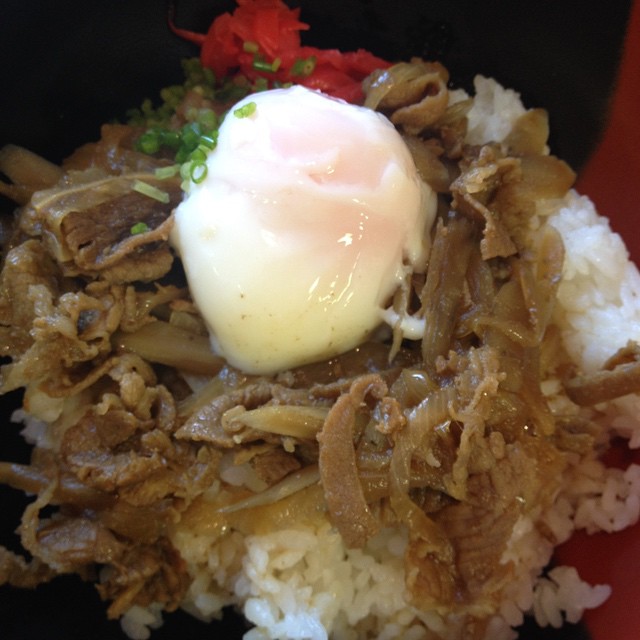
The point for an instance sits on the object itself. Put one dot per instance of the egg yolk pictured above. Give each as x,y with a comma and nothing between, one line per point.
308,219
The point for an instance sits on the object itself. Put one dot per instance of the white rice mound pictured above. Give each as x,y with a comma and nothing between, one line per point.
599,299
301,583
495,109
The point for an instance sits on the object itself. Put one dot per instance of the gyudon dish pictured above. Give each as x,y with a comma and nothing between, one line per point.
322,339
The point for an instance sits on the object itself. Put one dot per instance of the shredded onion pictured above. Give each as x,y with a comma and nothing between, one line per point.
293,483
164,343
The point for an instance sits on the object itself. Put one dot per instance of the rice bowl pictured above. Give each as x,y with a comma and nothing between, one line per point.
261,572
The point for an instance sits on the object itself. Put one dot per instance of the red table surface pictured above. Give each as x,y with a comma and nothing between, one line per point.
612,180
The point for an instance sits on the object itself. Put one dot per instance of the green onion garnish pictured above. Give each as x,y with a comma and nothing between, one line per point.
138,228
198,155
303,66
260,84
162,173
250,47
208,142
260,64
191,133
149,190
208,119
169,138
149,142
245,110
198,172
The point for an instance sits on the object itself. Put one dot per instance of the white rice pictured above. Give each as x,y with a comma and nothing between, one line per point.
301,583
493,113
138,621
600,291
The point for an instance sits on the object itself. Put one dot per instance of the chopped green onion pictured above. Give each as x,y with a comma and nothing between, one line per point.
162,173
191,114
191,133
260,64
198,172
196,78
303,66
208,77
250,47
261,84
198,156
150,191
208,119
172,96
233,90
149,142
138,228
208,142
182,155
169,138
245,110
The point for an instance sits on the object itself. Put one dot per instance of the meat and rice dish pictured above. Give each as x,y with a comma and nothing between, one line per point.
412,482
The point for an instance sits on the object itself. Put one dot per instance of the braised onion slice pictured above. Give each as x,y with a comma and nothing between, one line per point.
167,344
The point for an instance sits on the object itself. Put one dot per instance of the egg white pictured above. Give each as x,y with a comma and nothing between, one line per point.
310,214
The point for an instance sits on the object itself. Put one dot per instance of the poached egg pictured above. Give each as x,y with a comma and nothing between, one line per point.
309,217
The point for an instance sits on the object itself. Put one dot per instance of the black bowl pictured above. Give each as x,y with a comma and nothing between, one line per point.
68,66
